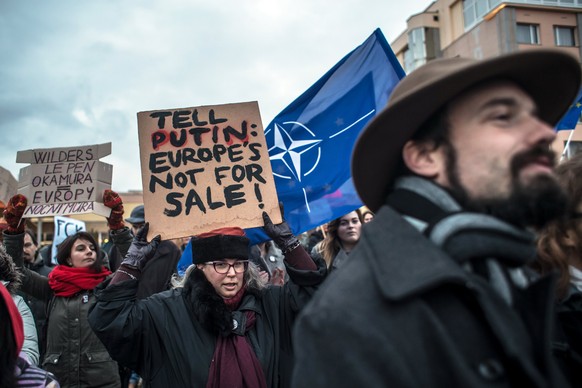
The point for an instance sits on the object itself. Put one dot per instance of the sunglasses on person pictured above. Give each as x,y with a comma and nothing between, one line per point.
222,267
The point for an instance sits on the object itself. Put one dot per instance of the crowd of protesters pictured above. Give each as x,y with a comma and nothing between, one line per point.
464,268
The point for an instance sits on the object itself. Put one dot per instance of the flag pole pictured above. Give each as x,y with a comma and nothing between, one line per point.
567,143
322,229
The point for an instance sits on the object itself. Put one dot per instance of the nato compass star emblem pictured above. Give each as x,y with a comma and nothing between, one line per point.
294,153
289,151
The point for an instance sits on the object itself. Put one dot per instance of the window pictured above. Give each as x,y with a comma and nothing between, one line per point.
408,61
528,34
475,10
564,36
572,148
481,8
416,49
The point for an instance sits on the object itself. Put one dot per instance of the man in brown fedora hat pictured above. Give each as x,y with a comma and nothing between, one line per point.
457,169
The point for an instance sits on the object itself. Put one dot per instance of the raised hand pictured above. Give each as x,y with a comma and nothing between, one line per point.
141,251
13,214
281,234
113,201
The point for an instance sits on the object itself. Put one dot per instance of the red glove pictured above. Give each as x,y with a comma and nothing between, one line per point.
13,214
112,200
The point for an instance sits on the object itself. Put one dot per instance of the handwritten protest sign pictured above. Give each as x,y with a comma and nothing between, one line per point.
204,168
63,181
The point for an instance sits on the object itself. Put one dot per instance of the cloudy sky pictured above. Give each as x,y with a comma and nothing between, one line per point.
76,72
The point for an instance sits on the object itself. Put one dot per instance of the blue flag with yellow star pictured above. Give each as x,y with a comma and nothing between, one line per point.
571,117
310,142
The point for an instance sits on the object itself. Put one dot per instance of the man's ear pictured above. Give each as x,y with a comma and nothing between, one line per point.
422,158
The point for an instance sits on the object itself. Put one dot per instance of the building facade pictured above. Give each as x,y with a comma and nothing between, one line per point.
44,227
8,185
94,224
487,28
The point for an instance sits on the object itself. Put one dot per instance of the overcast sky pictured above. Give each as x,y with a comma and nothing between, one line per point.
76,72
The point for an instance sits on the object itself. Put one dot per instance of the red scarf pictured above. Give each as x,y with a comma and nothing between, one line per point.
234,363
68,281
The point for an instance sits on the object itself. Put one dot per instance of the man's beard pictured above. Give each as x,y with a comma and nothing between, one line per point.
534,203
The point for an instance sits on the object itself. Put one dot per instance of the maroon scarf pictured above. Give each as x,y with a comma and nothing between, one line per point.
68,281
234,363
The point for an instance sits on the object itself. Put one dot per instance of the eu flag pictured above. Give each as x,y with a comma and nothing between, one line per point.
310,142
571,117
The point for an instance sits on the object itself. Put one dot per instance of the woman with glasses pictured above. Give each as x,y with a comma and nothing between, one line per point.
221,326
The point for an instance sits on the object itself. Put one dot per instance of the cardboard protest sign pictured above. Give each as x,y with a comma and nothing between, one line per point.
64,227
63,181
204,168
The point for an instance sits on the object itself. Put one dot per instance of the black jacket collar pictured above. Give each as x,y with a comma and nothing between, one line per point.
411,262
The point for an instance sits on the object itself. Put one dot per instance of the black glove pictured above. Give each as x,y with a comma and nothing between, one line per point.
140,250
281,234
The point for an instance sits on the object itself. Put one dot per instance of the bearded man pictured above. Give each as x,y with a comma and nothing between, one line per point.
457,169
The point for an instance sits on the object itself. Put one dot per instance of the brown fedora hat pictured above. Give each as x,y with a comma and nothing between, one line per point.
550,76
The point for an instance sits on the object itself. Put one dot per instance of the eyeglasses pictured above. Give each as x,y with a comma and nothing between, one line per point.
222,267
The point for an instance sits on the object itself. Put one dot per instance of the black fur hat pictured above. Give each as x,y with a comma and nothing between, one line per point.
225,243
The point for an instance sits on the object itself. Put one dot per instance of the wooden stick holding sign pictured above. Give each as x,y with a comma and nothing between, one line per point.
204,168
64,181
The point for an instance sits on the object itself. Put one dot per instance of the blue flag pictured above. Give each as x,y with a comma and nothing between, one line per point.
310,142
185,260
571,117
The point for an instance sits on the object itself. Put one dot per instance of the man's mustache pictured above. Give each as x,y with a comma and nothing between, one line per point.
524,158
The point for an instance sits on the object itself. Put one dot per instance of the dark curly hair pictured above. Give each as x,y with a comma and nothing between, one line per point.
8,271
555,250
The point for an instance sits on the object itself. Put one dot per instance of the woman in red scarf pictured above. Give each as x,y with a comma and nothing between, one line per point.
74,354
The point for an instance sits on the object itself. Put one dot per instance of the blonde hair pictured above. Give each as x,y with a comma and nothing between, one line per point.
331,244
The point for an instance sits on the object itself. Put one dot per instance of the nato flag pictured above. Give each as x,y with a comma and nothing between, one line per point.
310,142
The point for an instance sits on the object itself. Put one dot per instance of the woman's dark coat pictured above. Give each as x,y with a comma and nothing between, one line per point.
163,339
